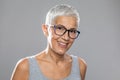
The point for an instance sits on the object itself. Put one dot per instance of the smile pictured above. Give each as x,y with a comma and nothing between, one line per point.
63,45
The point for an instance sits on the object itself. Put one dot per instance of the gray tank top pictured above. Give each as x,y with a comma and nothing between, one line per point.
36,74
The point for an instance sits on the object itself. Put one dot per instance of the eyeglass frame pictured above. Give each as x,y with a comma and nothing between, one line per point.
66,30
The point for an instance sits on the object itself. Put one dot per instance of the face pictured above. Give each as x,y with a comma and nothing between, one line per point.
60,44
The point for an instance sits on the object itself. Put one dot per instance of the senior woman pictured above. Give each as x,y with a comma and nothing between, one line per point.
54,63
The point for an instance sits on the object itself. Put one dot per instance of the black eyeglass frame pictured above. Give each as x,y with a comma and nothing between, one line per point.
66,30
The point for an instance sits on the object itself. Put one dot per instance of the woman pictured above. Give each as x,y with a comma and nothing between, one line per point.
54,63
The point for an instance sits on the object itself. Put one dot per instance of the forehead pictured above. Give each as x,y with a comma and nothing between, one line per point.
67,21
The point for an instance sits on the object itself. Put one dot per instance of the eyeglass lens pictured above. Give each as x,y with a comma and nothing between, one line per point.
61,30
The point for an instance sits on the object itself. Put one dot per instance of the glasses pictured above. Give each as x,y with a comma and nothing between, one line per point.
60,30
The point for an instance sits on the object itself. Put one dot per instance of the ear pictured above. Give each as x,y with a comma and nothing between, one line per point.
45,29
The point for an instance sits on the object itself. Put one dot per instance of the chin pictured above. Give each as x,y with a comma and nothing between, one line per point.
61,52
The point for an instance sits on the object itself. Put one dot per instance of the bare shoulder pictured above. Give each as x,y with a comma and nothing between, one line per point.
83,67
82,62
21,70
23,64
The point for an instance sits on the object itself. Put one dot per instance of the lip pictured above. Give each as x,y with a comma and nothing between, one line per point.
62,44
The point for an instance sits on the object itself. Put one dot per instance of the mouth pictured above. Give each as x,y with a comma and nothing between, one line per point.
63,44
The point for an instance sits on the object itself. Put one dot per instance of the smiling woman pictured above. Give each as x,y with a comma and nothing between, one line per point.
53,63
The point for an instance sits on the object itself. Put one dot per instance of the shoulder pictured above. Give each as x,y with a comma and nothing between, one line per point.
82,62
22,64
21,70
83,67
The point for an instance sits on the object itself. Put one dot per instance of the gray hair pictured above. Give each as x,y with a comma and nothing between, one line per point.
61,10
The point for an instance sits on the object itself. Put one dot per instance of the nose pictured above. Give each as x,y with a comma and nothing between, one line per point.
66,36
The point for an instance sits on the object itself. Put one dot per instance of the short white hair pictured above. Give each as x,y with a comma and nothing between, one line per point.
61,10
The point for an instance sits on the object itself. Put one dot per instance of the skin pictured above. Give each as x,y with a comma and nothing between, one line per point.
54,55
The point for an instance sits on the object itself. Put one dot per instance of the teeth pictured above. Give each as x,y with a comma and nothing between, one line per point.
63,44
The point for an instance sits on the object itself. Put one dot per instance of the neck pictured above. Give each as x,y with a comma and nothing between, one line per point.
54,57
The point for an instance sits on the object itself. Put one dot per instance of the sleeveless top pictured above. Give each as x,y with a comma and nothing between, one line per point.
36,74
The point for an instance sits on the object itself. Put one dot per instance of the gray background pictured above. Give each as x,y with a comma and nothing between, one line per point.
98,43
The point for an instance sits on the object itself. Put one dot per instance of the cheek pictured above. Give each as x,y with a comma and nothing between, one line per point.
71,41
52,37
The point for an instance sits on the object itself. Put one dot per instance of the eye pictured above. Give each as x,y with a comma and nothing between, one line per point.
59,27
73,31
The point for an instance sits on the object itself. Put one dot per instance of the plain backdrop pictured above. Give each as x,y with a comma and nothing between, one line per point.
98,43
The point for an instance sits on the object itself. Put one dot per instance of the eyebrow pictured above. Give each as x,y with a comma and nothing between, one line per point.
73,29
66,28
